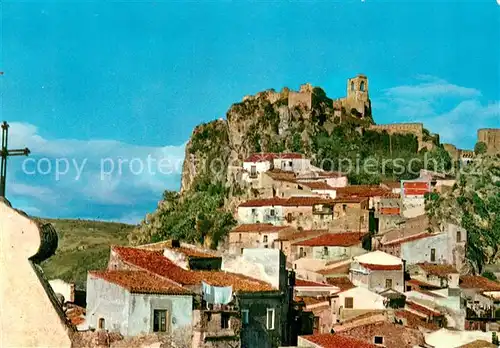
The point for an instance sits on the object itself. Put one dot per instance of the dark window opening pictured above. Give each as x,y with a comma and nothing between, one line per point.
433,255
362,86
348,302
378,340
159,321
101,323
224,321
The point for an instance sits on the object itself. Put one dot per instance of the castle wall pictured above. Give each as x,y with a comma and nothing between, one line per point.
491,137
416,129
300,98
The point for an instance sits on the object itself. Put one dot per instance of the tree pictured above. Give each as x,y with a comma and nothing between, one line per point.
490,275
480,148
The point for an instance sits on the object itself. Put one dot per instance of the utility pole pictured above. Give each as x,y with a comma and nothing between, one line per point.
4,154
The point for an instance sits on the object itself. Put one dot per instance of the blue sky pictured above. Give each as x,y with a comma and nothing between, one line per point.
90,81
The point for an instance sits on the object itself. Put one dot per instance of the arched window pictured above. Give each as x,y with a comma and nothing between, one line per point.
101,323
362,86
352,85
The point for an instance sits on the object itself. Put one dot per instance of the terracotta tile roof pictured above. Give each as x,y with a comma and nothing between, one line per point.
321,175
479,344
440,270
344,239
303,282
414,321
307,201
317,185
416,188
350,199
419,283
390,211
262,157
478,282
296,235
310,300
336,269
343,283
258,228
363,191
337,341
422,309
381,267
392,184
141,282
75,314
281,175
375,314
408,239
155,262
275,201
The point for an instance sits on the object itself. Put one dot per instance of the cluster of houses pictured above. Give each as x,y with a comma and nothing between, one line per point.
313,262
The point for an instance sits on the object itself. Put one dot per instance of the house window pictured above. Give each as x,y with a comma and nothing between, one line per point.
362,86
240,237
344,207
433,255
325,251
301,252
241,251
348,302
159,320
459,236
289,217
289,163
101,323
244,316
224,321
253,170
254,212
265,238
388,283
270,319
271,212
378,340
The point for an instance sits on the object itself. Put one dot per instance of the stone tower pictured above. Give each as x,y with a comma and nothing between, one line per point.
491,137
357,96
357,88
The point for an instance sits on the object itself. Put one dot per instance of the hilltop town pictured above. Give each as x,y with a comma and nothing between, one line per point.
272,243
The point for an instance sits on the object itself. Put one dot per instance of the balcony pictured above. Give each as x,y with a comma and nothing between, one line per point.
217,323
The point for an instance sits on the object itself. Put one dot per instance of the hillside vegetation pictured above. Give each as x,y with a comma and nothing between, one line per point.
210,186
83,246
474,203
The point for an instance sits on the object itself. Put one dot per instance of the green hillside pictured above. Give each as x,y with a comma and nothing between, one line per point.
83,245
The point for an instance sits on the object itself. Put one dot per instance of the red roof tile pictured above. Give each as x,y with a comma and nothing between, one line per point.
296,235
337,341
343,283
422,309
141,282
334,239
414,321
311,300
418,283
390,211
363,191
258,228
155,262
437,269
409,238
317,185
303,282
262,157
478,282
307,201
350,199
392,184
188,251
381,267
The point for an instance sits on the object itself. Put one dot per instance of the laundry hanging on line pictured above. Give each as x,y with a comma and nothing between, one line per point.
217,294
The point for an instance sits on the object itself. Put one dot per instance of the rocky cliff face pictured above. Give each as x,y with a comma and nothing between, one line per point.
261,123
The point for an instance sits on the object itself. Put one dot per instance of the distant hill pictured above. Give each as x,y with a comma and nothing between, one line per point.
83,245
